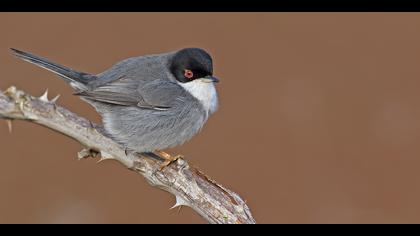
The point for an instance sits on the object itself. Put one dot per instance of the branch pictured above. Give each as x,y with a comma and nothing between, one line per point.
188,184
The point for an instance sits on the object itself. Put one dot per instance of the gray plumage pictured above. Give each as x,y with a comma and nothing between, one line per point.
146,102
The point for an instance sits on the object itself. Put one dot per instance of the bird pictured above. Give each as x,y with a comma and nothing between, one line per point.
147,103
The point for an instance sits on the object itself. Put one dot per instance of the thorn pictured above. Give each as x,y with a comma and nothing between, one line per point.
54,100
179,203
9,125
104,156
101,160
44,97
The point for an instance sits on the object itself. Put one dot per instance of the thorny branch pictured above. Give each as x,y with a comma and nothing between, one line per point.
190,186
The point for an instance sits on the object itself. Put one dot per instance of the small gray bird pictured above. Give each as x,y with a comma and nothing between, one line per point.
147,103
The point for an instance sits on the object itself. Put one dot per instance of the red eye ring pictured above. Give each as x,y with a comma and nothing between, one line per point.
188,73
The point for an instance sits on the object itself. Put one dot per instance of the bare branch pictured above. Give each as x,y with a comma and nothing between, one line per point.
189,185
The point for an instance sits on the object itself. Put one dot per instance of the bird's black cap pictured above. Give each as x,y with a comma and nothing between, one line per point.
195,60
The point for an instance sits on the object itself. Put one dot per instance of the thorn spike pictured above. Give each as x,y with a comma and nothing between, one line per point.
54,100
9,125
179,203
44,97
104,156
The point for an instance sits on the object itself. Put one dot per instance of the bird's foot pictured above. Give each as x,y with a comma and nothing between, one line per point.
168,159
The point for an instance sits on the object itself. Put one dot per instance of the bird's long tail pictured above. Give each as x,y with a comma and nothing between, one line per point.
77,80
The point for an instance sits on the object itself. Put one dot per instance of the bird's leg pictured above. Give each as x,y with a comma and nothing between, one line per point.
169,159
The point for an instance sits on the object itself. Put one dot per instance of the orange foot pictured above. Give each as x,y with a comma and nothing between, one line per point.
168,158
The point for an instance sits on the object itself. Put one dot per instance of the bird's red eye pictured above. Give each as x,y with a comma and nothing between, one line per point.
188,74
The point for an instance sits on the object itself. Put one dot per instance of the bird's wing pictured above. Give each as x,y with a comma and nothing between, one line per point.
157,94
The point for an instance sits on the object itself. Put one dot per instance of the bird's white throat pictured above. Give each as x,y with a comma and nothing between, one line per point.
205,92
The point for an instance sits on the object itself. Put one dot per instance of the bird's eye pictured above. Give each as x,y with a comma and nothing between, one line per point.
188,74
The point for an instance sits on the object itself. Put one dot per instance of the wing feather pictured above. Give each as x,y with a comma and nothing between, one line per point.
157,94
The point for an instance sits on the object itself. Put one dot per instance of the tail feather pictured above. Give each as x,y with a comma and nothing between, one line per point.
75,78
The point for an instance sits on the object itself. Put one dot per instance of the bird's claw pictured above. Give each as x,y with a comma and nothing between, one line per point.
169,159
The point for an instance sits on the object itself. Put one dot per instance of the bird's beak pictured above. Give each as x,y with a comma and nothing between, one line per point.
210,79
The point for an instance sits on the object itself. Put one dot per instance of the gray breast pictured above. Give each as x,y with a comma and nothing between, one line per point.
144,130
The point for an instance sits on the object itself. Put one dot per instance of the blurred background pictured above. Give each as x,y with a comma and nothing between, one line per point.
319,118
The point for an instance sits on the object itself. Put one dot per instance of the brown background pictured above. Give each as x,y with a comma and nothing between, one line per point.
319,118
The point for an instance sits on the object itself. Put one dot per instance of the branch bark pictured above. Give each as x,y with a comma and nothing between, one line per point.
190,186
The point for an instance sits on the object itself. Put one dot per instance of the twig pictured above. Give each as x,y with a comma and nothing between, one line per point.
189,185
